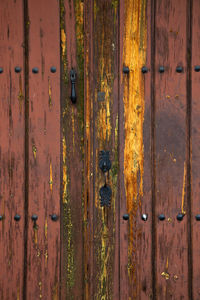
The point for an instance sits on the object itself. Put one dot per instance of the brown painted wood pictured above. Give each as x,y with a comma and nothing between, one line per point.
170,156
72,56
195,153
11,150
43,247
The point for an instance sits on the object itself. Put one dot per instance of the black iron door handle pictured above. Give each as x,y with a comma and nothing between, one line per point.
73,81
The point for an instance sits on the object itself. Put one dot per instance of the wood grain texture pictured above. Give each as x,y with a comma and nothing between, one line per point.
135,132
170,155
43,247
72,56
195,149
11,150
103,68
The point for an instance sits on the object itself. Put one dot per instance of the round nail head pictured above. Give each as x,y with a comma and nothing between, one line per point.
126,70
180,217
161,217
17,218
197,217
1,218
34,218
144,70
179,69
35,70
144,217
126,217
54,217
17,69
161,69
1,70
53,69
197,68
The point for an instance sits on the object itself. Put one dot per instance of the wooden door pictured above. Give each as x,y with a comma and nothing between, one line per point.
99,149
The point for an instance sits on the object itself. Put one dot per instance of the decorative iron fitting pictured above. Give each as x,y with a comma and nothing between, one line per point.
105,195
73,81
104,161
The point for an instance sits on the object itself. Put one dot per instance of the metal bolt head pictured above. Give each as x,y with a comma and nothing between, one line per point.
180,217
179,69
35,70
144,70
1,70
54,217
197,217
53,69
1,218
161,217
161,69
144,217
34,218
197,68
17,217
126,217
17,69
126,70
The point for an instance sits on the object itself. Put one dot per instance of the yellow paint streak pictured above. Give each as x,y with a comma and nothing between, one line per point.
63,42
183,190
50,93
55,291
34,149
18,293
35,229
50,177
134,56
46,228
65,177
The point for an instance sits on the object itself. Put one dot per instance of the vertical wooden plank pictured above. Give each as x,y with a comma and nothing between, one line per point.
88,158
11,150
43,249
72,57
195,139
135,158
101,134
170,155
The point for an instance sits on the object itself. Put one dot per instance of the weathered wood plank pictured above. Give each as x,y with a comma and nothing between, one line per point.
195,149
43,247
170,155
11,150
72,57
101,133
135,132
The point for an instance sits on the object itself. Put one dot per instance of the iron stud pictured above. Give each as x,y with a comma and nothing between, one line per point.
197,68
1,70
17,218
161,217
35,70
180,217
17,69
54,217
144,217
126,70
53,69
161,69
144,70
1,218
126,217
179,69
34,218
197,217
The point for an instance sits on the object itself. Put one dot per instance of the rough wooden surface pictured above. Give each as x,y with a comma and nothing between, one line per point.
11,150
43,245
